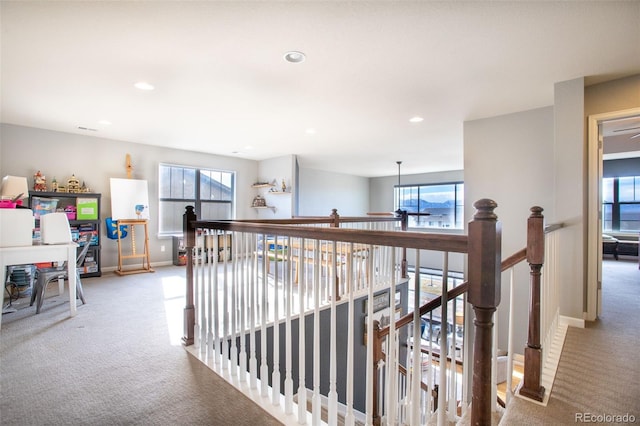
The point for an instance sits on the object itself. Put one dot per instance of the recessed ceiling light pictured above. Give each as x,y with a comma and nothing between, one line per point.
294,57
416,119
105,122
311,131
143,85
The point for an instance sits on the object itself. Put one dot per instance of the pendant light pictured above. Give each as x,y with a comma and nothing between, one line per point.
399,211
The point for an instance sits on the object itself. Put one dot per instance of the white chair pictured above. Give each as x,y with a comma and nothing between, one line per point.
55,229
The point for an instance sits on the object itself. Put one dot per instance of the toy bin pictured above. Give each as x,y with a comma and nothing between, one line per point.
71,212
42,206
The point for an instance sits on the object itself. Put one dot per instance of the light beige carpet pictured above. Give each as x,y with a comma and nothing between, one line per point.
598,375
118,362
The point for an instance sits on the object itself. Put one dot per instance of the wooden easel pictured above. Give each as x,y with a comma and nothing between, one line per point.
146,263
132,223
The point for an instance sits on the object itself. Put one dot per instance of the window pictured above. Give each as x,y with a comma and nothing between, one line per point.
621,204
211,192
444,204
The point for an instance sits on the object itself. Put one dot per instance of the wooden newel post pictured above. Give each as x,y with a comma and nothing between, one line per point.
485,238
335,217
189,243
531,387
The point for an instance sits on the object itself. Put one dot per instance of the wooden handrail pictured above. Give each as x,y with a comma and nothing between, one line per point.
301,220
514,259
553,227
417,240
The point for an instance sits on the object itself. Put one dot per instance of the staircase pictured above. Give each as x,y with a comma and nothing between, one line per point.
598,371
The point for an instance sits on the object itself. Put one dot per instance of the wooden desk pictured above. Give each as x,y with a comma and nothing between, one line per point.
26,255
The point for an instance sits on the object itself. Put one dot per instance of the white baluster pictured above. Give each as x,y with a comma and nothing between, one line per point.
467,355
349,419
214,293
509,392
275,375
442,381
288,380
333,394
253,289
392,356
370,365
225,299
430,370
302,390
235,283
243,239
204,299
264,368
494,369
453,373
197,288
416,371
317,403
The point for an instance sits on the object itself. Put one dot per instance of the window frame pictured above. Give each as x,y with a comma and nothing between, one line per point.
458,204
615,205
197,201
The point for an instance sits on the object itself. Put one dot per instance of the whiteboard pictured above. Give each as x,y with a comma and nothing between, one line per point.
129,199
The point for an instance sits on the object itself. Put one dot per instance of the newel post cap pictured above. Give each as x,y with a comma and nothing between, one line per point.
485,255
535,236
189,234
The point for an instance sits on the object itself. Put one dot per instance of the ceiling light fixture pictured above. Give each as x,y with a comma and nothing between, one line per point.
416,119
294,57
105,122
310,131
143,85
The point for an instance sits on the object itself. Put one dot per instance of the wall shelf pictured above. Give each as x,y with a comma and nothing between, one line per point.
262,185
265,207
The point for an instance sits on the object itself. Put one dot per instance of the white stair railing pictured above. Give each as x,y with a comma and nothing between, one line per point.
549,307
286,300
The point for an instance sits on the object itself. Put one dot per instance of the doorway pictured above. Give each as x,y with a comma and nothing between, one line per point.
597,128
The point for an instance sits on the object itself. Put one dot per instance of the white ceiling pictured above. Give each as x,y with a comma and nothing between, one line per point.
222,86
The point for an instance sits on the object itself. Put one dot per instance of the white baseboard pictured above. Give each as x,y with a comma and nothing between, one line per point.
573,322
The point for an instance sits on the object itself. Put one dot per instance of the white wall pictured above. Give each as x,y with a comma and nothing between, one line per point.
277,170
509,159
25,150
321,191
570,198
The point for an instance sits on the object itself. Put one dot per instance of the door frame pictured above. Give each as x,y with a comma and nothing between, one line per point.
594,207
